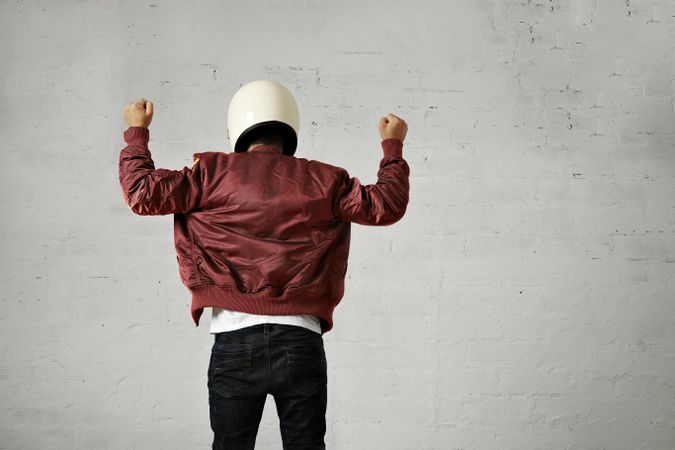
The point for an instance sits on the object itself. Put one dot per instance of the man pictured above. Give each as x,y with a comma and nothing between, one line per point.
262,237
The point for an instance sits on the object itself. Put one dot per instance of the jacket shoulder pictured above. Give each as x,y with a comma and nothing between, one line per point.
210,154
208,159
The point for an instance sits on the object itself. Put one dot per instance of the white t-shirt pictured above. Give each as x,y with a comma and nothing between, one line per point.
227,320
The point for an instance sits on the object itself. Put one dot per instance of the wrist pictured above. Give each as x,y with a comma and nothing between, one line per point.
136,135
392,147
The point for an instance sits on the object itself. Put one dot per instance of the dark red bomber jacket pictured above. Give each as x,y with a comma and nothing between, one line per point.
261,232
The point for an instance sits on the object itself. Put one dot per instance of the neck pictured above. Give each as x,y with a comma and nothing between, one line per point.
275,147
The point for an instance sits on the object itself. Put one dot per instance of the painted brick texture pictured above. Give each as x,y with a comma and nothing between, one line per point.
526,301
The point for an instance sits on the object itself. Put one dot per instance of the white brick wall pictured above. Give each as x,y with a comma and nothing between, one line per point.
526,300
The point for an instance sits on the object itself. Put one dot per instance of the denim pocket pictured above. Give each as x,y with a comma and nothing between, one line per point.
306,365
230,371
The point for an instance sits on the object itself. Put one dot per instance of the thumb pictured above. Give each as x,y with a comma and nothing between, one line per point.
149,108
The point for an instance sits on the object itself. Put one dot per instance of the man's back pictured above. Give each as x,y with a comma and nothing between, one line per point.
268,195
271,231
308,201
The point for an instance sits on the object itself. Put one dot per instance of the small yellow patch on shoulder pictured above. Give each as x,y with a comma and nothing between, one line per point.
195,162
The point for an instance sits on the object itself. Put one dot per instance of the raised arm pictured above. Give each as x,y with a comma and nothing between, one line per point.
149,191
384,202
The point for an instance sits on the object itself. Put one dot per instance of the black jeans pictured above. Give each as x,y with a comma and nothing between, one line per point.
286,361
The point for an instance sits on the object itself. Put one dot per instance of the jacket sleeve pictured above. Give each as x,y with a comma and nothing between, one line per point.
149,191
382,203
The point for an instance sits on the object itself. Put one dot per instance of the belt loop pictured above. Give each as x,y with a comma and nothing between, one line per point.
267,328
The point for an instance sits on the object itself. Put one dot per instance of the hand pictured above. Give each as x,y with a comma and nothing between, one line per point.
138,113
392,126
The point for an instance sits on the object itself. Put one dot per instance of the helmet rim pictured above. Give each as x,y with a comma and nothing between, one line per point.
290,138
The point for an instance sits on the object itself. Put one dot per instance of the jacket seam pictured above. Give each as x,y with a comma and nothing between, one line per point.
193,255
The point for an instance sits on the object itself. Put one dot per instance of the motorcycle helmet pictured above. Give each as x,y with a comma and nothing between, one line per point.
261,106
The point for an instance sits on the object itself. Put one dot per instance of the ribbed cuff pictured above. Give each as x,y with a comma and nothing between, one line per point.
393,148
137,135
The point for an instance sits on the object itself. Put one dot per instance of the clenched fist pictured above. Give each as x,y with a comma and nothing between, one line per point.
392,126
138,113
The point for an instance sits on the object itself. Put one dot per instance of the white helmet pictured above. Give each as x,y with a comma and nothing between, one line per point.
262,104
